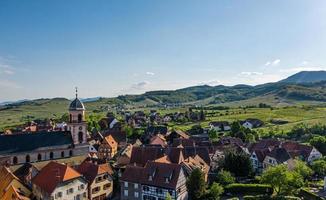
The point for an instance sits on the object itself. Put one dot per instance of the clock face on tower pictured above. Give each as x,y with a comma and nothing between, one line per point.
80,128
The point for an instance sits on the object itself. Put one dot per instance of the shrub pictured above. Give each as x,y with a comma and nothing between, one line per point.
265,197
309,195
238,188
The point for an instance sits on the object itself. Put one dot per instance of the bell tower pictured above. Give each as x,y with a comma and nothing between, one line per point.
77,124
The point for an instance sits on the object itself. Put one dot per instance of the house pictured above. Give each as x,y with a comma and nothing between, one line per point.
11,187
57,181
277,156
170,136
191,163
123,158
158,140
108,148
257,158
252,123
220,125
27,172
155,180
99,179
140,155
304,152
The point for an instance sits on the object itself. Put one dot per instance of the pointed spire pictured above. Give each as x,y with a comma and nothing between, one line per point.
76,92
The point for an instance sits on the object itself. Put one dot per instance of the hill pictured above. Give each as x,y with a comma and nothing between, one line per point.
306,77
283,93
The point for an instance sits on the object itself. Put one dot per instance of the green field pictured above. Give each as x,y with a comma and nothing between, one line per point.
55,108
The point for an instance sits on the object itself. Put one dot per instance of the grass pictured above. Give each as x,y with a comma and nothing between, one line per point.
55,108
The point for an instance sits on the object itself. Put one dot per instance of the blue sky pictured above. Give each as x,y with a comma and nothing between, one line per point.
107,48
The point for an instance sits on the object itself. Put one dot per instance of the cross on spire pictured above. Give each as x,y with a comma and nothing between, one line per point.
76,92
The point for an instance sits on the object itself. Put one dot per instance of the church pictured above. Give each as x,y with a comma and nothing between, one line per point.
23,148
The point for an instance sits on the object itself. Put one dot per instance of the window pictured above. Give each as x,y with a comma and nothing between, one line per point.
28,159
106,186
71,190
70,153
51,155
136,186
58,195
126,184
159,191
15,160
125,192
95,190
62,154
81,187
99,179
136,194
80,137
80,118
145,188
70,118
39,157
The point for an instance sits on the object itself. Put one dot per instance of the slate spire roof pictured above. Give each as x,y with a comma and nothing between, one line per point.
76,104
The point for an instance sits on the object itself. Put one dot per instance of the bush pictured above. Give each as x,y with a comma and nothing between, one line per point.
238,188
309,195
265,197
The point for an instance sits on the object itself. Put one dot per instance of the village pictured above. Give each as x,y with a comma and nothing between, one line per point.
52,161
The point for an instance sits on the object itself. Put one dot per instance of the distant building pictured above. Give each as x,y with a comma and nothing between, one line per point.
108,148
99,179
59,181
252,123
41,146
154,181
220,126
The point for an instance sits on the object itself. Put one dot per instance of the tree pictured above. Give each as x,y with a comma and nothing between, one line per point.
281,179
319,142
212,133
276,177
215,191
235,127
168,197
196,184
319,167
238,163
224,177
302,169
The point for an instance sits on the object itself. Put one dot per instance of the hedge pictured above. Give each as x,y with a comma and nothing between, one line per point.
264,197
306,194
238,188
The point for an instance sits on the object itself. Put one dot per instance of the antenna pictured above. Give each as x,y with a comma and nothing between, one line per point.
76,92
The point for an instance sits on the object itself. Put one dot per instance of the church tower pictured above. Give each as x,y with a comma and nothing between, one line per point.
77,124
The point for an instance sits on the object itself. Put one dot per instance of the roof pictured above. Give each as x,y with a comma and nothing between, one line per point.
157,130
219,123
119,136
179,134
53,174
200,151
154,174
158,140
76,104
33,141
111,141
90,170
184,142
140,155
24,170
175,154
264,144
280,154
297,149
254,122
261,154
12,193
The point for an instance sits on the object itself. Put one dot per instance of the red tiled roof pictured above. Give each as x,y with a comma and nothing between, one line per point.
159,172
140,155
53,174
91,170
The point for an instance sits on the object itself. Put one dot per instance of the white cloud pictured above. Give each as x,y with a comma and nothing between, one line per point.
9,84
210,82
304,63
140,86
251,73
6,69
150,73
273,63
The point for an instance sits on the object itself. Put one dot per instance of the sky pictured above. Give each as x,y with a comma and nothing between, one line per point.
112,47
